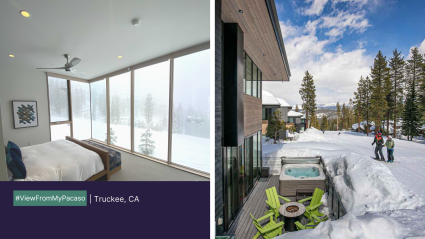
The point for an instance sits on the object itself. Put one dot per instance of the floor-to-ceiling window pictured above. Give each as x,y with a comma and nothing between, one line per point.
151,110
80,101
191,111
60,120
120,110
252,78
98,110
248,74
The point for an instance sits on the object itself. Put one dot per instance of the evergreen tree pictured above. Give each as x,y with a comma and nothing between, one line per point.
338,115
314,121
411,114
359,101
421,91
308,95
113,137
296,108
178,123
149,109
367,94
380,82
324,123
344,116
397,65
147,145
275,125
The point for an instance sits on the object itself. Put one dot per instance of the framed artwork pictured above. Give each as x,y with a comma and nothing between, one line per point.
25,113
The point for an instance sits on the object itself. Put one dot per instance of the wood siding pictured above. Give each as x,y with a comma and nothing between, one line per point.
260,40
252,115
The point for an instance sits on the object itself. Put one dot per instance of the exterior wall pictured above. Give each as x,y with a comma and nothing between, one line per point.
264,124
218,115
284,111
252,115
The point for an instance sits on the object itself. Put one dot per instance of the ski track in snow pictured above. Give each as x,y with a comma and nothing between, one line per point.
382,200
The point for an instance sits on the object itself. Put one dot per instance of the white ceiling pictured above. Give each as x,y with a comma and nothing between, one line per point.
97,31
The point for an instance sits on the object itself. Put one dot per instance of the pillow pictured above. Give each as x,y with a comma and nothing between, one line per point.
15,148
15,163
9,175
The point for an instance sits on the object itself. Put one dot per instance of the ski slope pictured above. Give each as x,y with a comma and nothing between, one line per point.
382,200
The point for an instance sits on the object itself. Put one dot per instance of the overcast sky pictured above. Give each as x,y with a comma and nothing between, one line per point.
337,40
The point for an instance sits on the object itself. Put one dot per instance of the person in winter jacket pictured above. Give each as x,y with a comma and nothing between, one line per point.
379,140
390,149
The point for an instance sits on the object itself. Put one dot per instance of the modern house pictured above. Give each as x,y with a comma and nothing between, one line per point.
297,120
249,50
269,105
132,76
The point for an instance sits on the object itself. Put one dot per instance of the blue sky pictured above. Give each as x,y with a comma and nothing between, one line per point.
336,41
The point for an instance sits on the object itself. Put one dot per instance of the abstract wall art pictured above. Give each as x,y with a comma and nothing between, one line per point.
25,114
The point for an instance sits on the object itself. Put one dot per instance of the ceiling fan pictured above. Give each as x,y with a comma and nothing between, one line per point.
69,66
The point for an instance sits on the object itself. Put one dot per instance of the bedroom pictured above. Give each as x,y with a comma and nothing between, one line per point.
133,96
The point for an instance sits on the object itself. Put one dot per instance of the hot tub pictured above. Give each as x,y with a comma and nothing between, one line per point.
302,178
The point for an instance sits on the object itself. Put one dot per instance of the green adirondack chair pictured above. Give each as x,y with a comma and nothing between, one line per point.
274,202
311,225
313,209
271,230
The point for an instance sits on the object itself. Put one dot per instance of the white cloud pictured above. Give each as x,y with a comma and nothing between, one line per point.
341,21
316,7
335,71
422,47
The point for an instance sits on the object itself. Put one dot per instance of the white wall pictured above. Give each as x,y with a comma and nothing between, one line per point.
3,167
22,83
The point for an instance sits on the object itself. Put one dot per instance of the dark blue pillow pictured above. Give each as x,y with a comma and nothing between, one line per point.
15,164
14,148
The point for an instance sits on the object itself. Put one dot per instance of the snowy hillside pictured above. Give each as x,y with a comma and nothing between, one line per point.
382,200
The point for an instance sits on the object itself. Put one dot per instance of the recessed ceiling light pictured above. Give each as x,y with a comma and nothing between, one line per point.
119,56
12,55
240,11
25,13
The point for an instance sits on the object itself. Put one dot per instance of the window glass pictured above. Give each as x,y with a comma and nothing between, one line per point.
255,154
98,109
248,75
291,120
80,98
244,72
60,131
119,101
260,83
248,165
254,81
58,99
264,114
191,111
151,101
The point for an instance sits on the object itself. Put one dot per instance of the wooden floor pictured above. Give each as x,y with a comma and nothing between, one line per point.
242,227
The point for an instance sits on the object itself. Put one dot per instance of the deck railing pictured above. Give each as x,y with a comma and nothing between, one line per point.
335,205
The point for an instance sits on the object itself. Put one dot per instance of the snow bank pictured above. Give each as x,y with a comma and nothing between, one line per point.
366,185
370,225
310,134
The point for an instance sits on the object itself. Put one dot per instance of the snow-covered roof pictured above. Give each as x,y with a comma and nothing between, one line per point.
269,99
295,114
283,103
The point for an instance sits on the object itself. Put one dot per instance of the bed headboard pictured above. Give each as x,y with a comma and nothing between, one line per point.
104,155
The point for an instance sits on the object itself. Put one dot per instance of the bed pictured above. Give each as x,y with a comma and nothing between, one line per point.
65,160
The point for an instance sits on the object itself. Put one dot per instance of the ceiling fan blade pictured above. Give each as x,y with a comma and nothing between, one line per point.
77,72
74,61
52,68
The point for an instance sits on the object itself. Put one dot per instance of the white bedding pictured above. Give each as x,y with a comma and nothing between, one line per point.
60,160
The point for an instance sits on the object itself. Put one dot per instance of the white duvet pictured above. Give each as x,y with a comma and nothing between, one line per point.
60,160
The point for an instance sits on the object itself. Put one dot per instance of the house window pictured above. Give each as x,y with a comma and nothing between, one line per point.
252,78
264,114
291,120
191,111
120,112
60,120
248,75
98,110
81,114
151,110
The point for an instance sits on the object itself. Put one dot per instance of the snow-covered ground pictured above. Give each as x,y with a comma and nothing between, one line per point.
382,200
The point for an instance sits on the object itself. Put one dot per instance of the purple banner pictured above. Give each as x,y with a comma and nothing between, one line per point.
150,210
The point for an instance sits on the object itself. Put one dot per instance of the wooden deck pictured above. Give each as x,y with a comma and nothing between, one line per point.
242,227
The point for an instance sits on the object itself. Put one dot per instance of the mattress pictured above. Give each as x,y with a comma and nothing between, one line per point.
60,160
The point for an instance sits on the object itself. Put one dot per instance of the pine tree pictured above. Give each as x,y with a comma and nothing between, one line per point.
147,145
314,121
397,65
324,124
308,95
113,137
411,114
359,101
338,115
178,123
344,116
297,109
275,125
380,82
367,94
149,109
421,90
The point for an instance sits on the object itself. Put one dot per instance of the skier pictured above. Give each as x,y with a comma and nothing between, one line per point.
390,149
379,144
